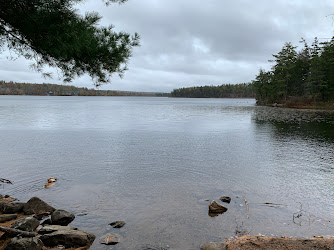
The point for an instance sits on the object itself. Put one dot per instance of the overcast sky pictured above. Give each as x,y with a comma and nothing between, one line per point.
195,42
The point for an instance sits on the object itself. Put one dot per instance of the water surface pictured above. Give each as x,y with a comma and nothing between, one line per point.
153,162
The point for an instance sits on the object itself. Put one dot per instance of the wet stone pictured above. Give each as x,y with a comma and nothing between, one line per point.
12,208
24,243
215,207
26,224
226,199
37,206
117,224
110,239
62,217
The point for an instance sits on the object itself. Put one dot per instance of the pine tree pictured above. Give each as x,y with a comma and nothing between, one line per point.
52,33
283,71
316,77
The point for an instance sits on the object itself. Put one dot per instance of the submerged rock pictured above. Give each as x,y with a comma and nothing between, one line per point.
7,217
225,199
110,239
62,217
6,198
26,224
36,206
152,247
215,207
117,224
24,243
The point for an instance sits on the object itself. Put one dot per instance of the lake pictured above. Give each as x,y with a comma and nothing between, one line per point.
155,162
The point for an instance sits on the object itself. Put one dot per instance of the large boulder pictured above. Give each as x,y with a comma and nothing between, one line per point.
62,217
215,207
26,224
12,208
7,217
24,244
68,238
36,206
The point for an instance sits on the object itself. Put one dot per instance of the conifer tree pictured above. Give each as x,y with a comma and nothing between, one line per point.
52,33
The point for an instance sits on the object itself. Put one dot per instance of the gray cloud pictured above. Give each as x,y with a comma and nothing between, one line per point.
192,42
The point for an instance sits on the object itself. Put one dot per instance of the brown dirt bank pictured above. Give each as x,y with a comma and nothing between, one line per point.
260,242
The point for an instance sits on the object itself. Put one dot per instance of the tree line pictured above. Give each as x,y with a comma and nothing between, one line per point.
13,88
242,90
305,76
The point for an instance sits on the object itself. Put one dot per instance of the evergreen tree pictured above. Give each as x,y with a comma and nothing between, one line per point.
52,33
316,77
283,71
264,89
327,64
305,76
301,71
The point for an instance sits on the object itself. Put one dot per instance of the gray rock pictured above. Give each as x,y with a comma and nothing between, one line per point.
7,217
26,224
110,239
214,246
12,208
215,207
68,238
42,216
117,224
36,206
1,205
225,199
24,244
62,217
46,222
53,228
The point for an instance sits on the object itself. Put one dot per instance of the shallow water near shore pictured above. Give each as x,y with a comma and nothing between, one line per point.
153,162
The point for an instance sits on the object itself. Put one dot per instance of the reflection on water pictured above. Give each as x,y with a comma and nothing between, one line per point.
156,163
292,122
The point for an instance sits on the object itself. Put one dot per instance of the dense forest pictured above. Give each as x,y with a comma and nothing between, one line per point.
304,77
243,90
12,88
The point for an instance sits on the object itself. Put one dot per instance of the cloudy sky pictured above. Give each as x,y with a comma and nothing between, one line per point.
195,42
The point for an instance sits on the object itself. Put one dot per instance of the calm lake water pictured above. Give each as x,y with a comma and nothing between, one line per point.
153,162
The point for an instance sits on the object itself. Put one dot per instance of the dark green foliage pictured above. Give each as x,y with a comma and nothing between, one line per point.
306,75
222,91
52,33
11,88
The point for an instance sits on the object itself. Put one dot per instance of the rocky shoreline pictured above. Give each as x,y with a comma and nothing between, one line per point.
247,242
37,225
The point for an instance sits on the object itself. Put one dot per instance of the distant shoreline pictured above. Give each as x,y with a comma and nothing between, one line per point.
47,89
